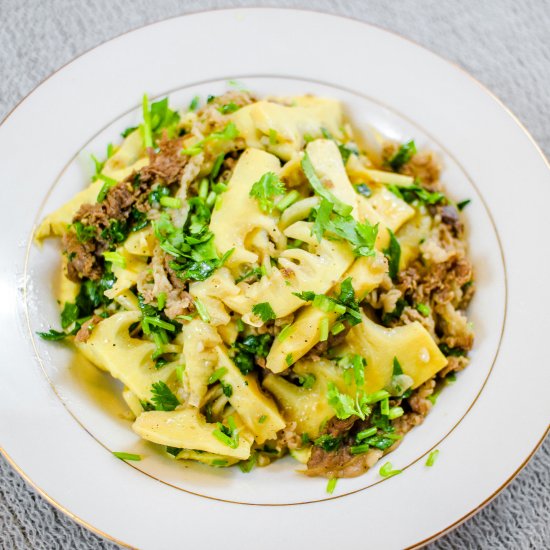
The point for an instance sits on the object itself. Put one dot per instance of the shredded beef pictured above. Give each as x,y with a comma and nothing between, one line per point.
86,329
165,168
82,260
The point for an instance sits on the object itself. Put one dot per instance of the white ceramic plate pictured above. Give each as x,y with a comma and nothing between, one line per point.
60,420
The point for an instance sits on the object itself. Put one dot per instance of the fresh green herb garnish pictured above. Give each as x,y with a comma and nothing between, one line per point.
217,375
338,206
194,104
202,311
107,184
331,485
265,189
344,405
289,360
163,398
83,232
387,470
415,192
228,435
402,156
423,309
432,457
227,134
393,254
264,311
262,419
127,456
249,347
52,335
115,258
462,204
361,235
246,466
228,108
397,369
451,352
328,442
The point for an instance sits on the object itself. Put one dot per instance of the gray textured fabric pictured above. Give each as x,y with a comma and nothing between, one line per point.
505,44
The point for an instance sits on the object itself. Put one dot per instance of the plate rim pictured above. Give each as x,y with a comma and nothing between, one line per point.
462,70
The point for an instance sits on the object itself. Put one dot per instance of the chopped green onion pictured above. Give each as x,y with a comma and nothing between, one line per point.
323,329
385,406
289,360
194,103
387,470
285,333
216,166
170,202
364,434
155,321
211,199
203,188
324,303
203,312
340,309
273,138
127,456
224,438
432,457
240,325
115,258
287,200
161,300
423,309
219,463
359,449
331,485
262,419
217,374
337,328
395,412
179,372
376,396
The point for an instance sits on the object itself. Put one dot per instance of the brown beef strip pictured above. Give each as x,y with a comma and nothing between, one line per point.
86,329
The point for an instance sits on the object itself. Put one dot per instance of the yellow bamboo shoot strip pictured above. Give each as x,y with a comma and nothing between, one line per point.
188,429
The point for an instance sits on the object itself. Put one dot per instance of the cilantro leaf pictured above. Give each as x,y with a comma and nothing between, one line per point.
267,187
328,442
344,405
69,314
264,311
402,156
415,192
309,171
163,398
393,253
397,369
52,335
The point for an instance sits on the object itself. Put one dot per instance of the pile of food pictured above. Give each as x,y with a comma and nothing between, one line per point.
264,281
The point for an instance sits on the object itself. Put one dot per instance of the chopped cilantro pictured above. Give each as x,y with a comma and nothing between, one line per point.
265,189
52,335
202,311
174,451
402,156
264,311
249,347
344,405
289,360
69,315
328,442
262,419
415,192
163,398
393,253
307,380
227,389
397,369
462,204
451,352
83,232
339,207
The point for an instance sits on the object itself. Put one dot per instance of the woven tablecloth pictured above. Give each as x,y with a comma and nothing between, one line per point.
504,43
